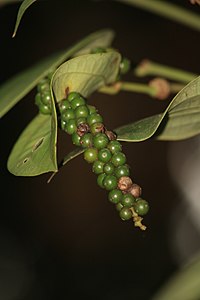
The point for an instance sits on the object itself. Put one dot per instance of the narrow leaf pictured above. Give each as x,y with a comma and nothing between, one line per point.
23,7
180,120
20,85
86,73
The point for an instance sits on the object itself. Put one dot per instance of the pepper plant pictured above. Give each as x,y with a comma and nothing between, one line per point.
65,83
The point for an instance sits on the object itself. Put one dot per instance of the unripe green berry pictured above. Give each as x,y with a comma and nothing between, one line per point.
63,105
68,114
90,155
46,97
71,96
119,206
86,140
118,159
76,139
63,124
94,118
92,109
97,128
104,155
38,101
125,65
110,182
114,147
81,111
43,85
70,126
109,168
115,196
141,207
128,200
76,102
100,141
80,121
100,180
97,167
122,171
45,109
125,213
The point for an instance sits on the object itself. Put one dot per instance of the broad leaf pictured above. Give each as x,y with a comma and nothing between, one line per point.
86,73
185,285
180,120
23,7
17,87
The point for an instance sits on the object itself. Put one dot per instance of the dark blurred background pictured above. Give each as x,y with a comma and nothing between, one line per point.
64,240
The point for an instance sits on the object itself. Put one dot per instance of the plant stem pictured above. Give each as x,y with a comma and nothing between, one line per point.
148,67
168,10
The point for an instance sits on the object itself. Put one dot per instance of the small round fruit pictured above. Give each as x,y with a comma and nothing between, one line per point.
141,207
104,155
115,196
122,171
100,180
71,96
125,183
46,97
63,124
76,139
77,101
97,128
125,65
97,167
114,147
119,206
63,105
125,213
118,159
70,127
45,109
80,121
81,111
68,114
100,141
135,190
86,140
90,155
92,109
94,118
38,101
128,200
110,182
109,168
43,85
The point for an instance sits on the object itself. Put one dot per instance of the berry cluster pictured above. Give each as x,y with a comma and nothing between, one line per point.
104,152
43,96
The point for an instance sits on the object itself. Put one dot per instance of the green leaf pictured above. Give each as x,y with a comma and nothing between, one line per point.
20,85
86,73
180,120
23,7
184,285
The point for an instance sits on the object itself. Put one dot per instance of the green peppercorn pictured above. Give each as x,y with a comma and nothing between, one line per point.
118,159
71,96
125,213
76,102
115,196
109,168
81,111
100,141
114,147
97,128
100,180
68,114
46,97
128,200
97,167
63,124
86,140
92,109
90,155
80,121
63,105
141,207
104,155
94,118
76,139
119,206
125,65
122,171
43,85
45,109
38,101
70,126
110,182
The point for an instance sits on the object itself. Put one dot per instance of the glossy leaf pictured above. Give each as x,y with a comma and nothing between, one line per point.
185,285
180,120
86,73
20,85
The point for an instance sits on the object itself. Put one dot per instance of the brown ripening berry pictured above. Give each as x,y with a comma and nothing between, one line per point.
124,183
135,190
